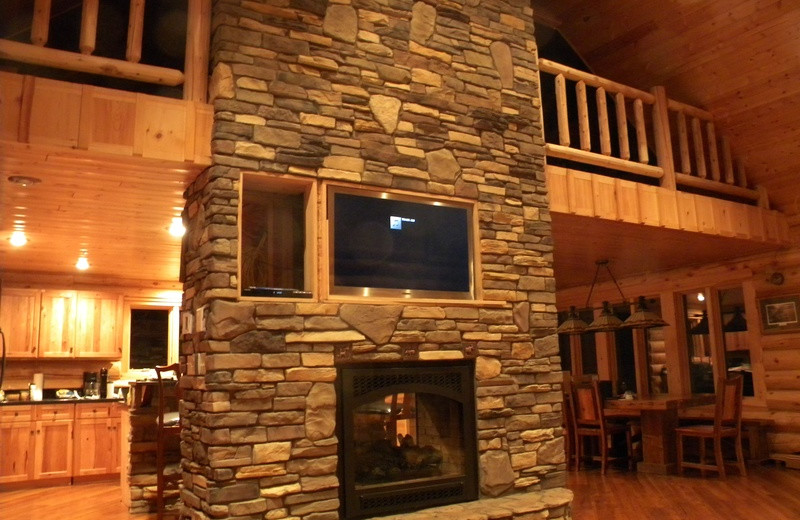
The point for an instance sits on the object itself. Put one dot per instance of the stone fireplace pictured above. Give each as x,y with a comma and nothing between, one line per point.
434,98
408,436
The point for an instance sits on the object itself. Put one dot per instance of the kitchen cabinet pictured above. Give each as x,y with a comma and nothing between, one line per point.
97,439
53,447
97,319
17,444
61,323
35,442
19,321
57,324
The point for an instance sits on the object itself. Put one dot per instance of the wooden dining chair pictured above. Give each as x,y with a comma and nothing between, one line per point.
168,432
727,425
590,422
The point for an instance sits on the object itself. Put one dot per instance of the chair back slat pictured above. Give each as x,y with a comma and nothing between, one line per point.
728,410
586,403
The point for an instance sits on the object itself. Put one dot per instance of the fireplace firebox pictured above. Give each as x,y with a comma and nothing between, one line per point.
408,436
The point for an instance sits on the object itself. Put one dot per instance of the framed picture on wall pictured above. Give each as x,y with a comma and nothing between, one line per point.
780,314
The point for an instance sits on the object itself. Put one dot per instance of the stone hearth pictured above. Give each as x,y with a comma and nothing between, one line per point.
437,98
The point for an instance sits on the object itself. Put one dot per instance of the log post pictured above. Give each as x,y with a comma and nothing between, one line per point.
88,39
663,139
135,31
198,33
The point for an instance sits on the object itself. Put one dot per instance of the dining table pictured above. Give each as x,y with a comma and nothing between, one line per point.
658,417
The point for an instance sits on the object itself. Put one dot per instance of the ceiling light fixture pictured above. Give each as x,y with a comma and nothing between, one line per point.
176,228
24,180
606,321
83,261
18,238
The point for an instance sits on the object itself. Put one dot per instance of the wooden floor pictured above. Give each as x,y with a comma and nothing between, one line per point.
767,493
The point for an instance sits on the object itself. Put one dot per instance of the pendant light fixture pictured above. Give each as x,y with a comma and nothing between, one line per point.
606,321
737,323
643,318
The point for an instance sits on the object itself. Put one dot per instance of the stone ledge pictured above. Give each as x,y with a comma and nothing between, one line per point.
551,504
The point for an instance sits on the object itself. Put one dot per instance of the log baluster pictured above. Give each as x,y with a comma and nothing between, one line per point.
583,117
602,121
683,144
40,25
641,131
622,127
135,31
699,152
88,39
713,157
727,160
561,109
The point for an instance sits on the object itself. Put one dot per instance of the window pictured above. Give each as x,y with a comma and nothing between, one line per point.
150,333
698,341
735,337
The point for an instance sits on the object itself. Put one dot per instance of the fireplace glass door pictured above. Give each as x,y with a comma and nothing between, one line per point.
408,437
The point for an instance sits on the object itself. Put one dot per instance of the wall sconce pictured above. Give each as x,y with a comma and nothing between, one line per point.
83,261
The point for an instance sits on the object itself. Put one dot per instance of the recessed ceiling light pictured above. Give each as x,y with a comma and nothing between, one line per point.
18,238
24,180
176,228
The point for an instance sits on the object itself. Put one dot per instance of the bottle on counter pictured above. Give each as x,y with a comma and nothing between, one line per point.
103,383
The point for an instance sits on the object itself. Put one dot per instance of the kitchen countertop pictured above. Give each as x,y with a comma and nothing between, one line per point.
63,401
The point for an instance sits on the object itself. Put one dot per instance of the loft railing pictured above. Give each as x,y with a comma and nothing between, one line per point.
643,133
194,77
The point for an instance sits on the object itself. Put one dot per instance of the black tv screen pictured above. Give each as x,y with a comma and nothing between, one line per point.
387,244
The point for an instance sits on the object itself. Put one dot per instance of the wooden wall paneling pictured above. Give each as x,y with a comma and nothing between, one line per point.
161,123
10,106
109,120
668,212
190,120
783,400
738,216
641,364
55,113
627,201
705,214
677,355
648,205
756,223
204,120
579,185
771,227
604,197
723,217
606,350
715,336
781,359
782,380
687,213
557,190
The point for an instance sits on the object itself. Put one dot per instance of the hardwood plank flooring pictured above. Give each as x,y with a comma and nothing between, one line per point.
768,492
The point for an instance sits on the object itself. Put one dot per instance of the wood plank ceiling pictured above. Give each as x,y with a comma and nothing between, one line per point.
738,59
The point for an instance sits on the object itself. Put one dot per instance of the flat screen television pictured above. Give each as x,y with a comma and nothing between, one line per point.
399,245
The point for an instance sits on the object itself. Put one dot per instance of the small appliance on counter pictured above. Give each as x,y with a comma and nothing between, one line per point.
103,382
91,385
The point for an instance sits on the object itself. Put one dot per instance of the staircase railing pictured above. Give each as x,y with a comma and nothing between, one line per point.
624,129
194,77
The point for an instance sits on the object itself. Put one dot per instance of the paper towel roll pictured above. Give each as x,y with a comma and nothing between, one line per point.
38,380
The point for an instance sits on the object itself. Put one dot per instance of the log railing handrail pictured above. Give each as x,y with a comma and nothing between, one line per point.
690,150
194,77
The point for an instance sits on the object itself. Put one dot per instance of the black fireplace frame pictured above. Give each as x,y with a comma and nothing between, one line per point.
453,379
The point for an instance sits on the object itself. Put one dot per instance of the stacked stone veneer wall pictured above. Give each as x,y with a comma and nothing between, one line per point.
437,97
